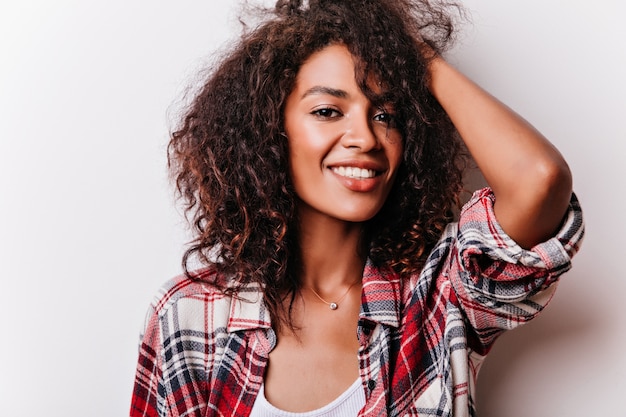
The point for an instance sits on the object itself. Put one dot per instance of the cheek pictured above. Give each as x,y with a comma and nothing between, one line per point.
308,148
395,152
303,163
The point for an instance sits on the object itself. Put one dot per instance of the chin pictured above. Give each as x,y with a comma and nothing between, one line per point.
358,217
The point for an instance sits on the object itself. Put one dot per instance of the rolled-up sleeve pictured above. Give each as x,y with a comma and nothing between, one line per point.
499,284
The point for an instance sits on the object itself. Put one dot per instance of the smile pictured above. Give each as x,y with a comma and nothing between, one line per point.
354,172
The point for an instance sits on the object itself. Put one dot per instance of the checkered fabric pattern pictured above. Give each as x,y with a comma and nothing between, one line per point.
422,339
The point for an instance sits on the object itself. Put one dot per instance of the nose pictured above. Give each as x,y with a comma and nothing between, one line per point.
360,134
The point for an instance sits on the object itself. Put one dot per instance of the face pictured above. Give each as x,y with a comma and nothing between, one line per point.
344,152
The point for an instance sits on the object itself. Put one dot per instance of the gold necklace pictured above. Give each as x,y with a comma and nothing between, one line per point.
333,305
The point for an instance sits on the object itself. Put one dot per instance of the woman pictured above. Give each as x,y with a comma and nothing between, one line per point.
320,164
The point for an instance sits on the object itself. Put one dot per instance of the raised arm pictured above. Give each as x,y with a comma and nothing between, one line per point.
529,177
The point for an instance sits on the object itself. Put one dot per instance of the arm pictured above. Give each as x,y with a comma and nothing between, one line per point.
529,177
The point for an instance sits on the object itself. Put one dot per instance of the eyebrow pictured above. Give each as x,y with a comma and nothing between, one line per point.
319,89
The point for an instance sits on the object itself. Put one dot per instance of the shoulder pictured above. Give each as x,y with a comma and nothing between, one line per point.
183,288
191,304
202,302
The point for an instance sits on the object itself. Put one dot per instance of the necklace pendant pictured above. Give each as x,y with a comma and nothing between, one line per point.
333,306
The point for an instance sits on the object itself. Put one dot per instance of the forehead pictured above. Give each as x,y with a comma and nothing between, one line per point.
329,66
334,67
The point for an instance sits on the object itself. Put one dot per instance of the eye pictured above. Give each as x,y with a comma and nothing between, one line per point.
388,119
326,113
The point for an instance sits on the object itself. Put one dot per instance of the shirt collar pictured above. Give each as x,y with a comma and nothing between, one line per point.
381,296
380,302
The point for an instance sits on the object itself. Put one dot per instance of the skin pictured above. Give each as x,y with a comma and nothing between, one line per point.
329,122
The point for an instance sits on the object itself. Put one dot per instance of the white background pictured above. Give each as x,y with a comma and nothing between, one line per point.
88,228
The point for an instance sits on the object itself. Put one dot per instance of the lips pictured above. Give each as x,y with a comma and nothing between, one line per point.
359,176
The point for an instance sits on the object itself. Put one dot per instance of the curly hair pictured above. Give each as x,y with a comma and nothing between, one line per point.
229,157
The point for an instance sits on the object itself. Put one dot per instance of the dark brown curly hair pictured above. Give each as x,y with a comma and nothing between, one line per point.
229,158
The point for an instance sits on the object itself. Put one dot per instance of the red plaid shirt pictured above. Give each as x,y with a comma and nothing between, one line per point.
422,340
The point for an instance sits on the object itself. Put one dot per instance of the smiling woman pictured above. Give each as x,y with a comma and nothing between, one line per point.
320,163
344,152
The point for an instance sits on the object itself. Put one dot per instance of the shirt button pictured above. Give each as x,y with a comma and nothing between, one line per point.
371,384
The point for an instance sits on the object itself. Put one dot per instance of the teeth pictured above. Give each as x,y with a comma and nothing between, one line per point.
354,172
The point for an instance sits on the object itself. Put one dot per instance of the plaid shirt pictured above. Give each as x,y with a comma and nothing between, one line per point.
422,340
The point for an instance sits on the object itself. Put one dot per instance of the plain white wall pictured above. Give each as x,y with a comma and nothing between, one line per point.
88,228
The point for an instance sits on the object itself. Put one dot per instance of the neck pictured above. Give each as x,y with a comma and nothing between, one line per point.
330,252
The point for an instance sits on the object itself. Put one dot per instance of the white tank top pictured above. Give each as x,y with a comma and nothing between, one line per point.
347,404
